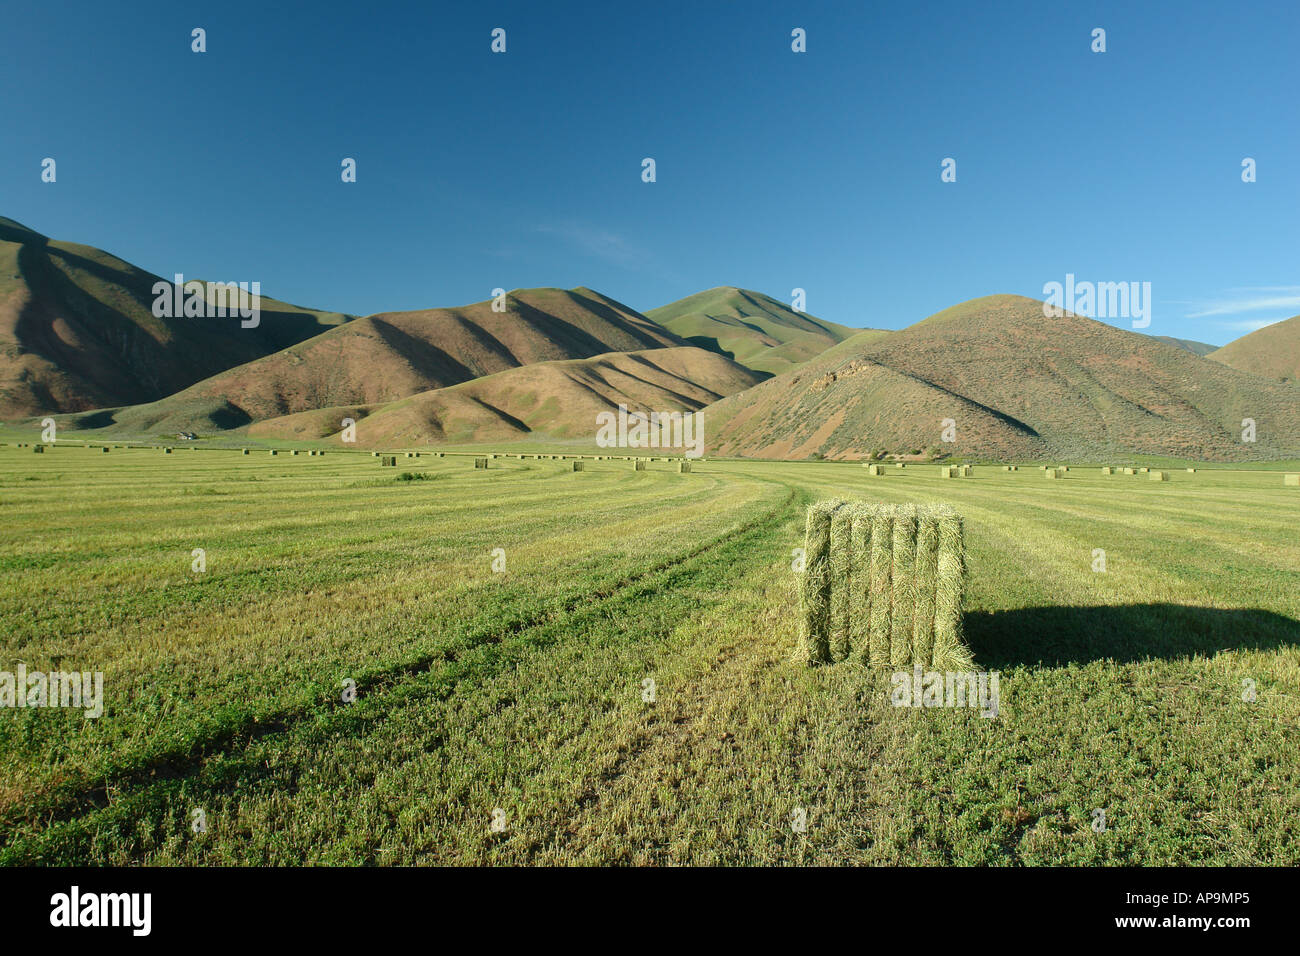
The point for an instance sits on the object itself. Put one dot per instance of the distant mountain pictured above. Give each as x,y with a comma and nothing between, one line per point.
554,399
1016,384
1196,348
1273,351
393,355
756,330
77,330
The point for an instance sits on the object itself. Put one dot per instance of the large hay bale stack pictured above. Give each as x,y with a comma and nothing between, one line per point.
388,461
883,584
638,465
1107,471
875,470
480,462
965,471
579,466
947,471
1157,476
684,467
1293,480
1054,473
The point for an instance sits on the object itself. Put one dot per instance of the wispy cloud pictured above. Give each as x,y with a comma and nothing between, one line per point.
1249,325
1251,299
598,242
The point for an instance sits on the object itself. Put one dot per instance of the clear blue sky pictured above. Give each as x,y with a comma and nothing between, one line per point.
775,170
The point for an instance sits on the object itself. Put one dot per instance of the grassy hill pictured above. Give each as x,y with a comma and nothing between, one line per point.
1017,384
389,356
756,330
558,399
77,330
1273,351
1191,345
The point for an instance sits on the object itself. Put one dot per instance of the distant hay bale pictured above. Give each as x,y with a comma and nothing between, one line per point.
1144,470
1006,467
104,449
1157,476
1128,471
579,466
1293,480
388,461
875,470
294,453
946,471
883,584
273,453
246,451
1054,473
900,465
1106,470
39,450
638,465
168,451
480,462
1191,471
684,467
965,471
374,454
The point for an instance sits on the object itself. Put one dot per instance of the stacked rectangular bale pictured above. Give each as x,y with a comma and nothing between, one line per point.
883,585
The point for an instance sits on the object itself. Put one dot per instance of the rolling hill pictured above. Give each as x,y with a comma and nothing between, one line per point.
756,330
389,356
1191,345
77,330
555,399
1273,351
1017,384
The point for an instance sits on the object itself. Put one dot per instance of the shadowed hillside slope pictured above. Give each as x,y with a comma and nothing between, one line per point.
756,330
77,330
557,399
1191,345
392,355
1273,351
1017,384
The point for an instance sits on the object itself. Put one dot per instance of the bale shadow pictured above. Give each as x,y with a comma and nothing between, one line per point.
1122,633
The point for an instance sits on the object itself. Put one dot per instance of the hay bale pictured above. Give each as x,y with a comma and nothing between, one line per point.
1106,470
579,466
1191,471
964,471
875,470
104,449
294,453
1292,480
638,465
1054,473
883,584
1144,470
903,587
1157,476
925,571
880,567
480,462
388,461
168,451
815,585
900,465
946,471
841,574
39,450
273,453
950,650
684,467
1128,471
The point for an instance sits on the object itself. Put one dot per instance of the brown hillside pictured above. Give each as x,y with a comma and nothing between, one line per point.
1017,383
556,399
1273,351
77,330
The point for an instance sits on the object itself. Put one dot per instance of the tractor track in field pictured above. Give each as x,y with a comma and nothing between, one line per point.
71,801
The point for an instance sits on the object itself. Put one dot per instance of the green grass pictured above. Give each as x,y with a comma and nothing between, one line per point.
523,690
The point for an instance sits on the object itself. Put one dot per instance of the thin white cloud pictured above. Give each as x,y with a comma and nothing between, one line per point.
1251,299
597,242
1248,325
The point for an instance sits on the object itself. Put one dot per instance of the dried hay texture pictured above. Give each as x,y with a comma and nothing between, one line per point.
480,462
883,584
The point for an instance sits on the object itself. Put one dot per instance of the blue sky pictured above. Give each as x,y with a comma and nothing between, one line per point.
775,170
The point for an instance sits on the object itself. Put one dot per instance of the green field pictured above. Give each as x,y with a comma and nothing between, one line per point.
522,691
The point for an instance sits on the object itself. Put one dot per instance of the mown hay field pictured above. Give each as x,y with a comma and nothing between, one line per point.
625,689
